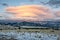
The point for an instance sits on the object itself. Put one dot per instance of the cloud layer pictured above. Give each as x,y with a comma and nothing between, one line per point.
57,13
31,12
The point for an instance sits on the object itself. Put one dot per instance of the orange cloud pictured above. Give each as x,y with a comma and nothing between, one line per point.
30,12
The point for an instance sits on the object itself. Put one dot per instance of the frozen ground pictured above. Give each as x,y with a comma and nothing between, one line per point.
27,36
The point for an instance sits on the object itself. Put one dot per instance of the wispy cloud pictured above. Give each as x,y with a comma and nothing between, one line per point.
2,16
31,12
57,13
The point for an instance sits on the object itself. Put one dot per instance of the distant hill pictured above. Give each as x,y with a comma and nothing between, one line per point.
18,23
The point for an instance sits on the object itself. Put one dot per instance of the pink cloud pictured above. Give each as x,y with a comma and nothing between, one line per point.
30,12
57,13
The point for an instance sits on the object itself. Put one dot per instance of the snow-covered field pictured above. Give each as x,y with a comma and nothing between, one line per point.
28,36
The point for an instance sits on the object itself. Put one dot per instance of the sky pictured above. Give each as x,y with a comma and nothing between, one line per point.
30,10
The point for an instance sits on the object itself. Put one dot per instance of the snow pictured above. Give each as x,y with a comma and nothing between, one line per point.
29,36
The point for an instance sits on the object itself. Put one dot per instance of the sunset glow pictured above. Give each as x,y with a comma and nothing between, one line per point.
30,12
37,10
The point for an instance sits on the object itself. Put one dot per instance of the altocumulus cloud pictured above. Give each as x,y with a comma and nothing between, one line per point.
31,12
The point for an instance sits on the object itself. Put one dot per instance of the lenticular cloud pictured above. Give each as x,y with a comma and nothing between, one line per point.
31,12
